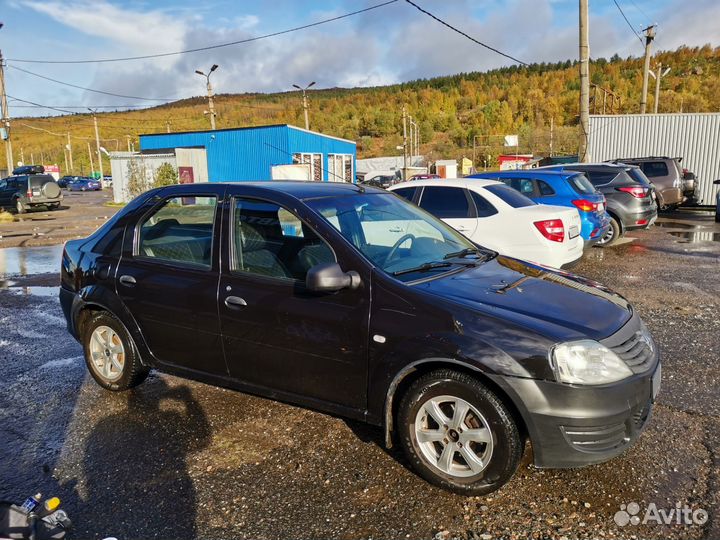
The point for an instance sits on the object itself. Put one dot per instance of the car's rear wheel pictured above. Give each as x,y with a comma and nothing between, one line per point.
20,207
458,434
111,355
612,235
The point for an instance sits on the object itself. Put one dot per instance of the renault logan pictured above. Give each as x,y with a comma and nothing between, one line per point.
304,292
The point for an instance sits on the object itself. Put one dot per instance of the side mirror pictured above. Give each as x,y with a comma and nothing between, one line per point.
329,277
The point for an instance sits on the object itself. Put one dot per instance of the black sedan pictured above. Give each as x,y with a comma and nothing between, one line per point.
352,301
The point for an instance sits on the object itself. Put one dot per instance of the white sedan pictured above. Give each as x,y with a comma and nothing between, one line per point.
498,217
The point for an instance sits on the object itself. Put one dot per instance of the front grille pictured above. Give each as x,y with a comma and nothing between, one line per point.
636,352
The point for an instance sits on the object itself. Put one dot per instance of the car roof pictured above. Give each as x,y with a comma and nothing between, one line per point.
299,189
588,166
535,173
452,182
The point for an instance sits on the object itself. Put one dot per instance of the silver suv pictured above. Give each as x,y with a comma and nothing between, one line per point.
674,184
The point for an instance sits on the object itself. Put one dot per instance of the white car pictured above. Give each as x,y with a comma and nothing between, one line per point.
498,217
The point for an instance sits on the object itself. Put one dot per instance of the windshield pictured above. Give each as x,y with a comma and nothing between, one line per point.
398,237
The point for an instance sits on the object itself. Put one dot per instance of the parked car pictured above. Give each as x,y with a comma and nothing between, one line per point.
381,181
302,291
561,189
67,179
84,184
717,203
630,203
424,176
673,183
26,191
499,218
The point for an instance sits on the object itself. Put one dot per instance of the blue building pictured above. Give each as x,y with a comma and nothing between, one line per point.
256,153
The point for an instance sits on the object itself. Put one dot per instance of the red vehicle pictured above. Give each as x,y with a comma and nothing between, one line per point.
424,176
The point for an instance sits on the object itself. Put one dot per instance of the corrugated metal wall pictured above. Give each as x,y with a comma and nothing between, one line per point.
248,154
694,137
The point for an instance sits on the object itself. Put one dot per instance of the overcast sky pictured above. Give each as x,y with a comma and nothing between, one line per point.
390,44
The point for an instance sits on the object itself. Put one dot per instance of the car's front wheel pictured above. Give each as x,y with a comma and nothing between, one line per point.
111,355
458,434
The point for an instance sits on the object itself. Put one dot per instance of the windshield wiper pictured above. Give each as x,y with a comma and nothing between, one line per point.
462,253
422,268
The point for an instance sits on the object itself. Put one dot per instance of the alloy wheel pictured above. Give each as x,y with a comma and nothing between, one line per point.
107,353
453,436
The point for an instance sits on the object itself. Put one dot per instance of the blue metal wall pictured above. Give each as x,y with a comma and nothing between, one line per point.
246,154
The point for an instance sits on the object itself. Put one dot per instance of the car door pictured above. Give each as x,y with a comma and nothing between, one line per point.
4,193
168,277
278,335
451,204
488,220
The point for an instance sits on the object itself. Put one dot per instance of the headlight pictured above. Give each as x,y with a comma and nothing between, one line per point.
587,362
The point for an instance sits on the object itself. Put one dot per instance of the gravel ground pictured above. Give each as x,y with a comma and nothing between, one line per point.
180,459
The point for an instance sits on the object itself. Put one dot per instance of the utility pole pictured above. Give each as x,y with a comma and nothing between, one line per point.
97,143
305,101
22,156
90,157
552,135
658,77
5,117
69,149
405,148
167,125
128,141
584,83
211,103
649,37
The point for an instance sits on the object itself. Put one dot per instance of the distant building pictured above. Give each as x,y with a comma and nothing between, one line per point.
240,155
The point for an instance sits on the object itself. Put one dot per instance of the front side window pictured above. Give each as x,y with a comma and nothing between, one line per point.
180,231
395,235
445,202
406,193
271,241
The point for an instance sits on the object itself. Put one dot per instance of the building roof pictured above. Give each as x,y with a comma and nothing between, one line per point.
211,131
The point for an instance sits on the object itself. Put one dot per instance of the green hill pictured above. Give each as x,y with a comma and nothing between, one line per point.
451,111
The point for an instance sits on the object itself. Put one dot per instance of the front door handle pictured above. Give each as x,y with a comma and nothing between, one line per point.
128,280
234,302
395,229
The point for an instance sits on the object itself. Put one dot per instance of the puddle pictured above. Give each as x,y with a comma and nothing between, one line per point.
28,261
674,225
32,290
696,237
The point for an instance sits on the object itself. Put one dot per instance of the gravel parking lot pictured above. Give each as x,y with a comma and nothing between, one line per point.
179,459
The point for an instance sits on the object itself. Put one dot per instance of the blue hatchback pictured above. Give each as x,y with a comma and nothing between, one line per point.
561,188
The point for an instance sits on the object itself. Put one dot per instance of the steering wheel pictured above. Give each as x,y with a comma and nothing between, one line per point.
396,246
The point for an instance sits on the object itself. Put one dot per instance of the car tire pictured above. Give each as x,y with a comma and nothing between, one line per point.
110,354
613,234
476,449
20,207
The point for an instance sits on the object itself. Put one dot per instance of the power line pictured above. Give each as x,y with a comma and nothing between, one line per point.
627,21
88,89
209,47
641,11
451,27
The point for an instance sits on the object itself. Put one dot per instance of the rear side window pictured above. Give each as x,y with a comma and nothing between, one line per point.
654,169
483,206
407,193
636,174
581,184
544,189
510,197
600,178
180,231
445,202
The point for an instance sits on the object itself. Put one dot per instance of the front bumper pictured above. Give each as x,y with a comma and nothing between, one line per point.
573,425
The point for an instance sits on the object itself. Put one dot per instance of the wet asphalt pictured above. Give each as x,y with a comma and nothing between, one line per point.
179,459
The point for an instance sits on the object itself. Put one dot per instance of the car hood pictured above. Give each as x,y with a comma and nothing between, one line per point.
556,304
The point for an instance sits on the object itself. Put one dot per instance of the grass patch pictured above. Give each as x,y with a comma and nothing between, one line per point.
6,217
115,204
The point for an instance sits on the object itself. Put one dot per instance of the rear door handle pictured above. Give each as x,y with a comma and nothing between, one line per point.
234,302
128,280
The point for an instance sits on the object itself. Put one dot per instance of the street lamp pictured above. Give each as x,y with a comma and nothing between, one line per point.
305,103
211,103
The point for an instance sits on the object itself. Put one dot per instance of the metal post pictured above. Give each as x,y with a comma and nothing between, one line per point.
584,83
211,104
5,117
167,126
405,153
128,141
305,109
649,36
97,143
69,148
90,157
552,134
